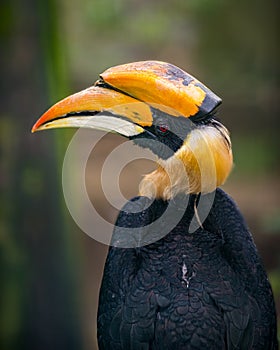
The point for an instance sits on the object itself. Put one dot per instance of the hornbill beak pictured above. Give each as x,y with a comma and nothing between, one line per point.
121,100
98,108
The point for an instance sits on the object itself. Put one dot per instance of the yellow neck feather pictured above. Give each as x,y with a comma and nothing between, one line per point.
201,165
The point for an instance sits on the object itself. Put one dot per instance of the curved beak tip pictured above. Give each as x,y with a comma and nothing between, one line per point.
36,126
33,129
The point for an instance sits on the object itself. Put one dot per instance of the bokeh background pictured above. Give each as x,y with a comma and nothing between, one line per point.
50,270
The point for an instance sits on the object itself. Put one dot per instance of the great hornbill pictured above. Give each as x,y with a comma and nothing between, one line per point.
167,285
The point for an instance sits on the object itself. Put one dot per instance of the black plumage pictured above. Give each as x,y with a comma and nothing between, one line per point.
202,290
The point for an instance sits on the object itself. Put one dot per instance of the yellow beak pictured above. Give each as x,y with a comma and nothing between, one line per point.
98,108
123,99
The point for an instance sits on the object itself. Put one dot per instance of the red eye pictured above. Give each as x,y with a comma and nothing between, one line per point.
163,128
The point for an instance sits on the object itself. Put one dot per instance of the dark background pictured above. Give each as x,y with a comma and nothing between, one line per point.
50,270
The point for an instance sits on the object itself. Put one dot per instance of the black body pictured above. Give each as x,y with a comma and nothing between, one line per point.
202,290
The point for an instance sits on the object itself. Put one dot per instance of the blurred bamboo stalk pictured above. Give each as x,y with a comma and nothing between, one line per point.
38,296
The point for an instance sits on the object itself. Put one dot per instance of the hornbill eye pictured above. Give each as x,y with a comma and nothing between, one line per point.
162,129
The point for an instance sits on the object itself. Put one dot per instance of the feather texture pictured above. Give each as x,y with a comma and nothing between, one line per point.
145,302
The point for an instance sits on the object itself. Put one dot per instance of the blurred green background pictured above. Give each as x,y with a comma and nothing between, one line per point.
50,270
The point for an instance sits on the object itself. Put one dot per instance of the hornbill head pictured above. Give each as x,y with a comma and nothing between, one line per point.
163,108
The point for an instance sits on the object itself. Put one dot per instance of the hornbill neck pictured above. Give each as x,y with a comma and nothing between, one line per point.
200,166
